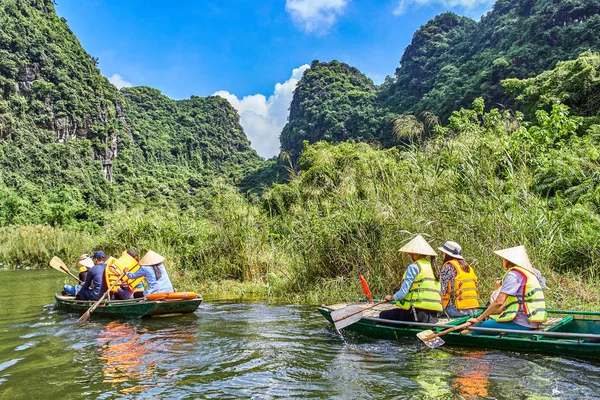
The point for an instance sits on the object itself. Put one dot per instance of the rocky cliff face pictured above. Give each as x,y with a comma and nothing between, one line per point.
48,80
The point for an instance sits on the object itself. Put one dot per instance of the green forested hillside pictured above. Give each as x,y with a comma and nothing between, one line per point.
334,102
451,61
73,147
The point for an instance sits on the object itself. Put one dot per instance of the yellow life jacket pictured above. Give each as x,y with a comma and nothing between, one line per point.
424,292
114,268
531,302
465,293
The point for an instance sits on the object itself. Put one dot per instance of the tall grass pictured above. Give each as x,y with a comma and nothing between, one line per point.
34,246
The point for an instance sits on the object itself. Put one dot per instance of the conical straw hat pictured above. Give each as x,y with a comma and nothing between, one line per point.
516,255
151,258
418,246
86,261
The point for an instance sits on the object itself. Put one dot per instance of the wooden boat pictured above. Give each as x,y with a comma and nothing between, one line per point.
135,308
568,333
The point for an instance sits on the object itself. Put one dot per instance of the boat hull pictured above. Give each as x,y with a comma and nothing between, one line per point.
581,348
136,308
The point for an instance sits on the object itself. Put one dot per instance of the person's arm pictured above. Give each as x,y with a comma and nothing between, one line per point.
448,275
140,272
509,288
495,308
411,273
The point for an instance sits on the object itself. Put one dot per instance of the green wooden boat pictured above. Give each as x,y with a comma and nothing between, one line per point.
567,333
136,308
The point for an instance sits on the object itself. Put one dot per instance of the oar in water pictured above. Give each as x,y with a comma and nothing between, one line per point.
434,340
349,315
57,264
89,312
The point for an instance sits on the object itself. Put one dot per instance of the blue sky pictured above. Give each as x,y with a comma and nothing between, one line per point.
250,52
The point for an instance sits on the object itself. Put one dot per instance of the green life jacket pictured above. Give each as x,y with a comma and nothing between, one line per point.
425,290
531,302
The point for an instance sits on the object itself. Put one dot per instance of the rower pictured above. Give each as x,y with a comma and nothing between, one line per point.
459,283
520,304
96,276
153,269
418,298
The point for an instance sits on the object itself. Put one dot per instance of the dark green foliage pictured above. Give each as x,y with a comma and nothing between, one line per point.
177,148
453,60
430,58
574,83
334,102
72,147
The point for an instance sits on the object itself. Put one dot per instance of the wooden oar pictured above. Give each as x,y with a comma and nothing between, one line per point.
434,340
349,315
87,314
57,264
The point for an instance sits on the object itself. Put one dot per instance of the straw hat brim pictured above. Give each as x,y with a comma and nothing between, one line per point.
516,255
86,262
450,254
151,258
418,246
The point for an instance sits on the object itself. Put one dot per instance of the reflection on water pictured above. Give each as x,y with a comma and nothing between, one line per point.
472,378
133,355
232,351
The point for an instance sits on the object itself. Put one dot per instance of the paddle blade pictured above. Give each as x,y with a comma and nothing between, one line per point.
428,338
84,317
366,289
348,321
58,264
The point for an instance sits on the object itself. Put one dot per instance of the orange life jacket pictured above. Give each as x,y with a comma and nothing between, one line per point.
115,267
465,294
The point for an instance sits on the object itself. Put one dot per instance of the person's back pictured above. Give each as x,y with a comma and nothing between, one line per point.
160,285
153,269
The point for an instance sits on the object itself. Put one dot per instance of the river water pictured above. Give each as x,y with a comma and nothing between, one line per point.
248,350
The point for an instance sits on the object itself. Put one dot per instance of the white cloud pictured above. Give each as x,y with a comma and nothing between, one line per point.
403,5
315,15
262,118
118,81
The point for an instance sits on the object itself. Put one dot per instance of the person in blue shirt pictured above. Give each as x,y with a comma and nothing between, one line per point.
94,286
153,269
418,299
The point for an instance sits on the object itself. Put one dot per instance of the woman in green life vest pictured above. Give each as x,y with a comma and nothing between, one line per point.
520,304
418,298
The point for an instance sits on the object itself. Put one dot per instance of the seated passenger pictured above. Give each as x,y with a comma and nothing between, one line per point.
125,292
152,268
520,304
459,283
419,296
94,286
85,263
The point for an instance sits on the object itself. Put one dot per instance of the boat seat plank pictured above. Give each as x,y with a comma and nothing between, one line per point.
555,323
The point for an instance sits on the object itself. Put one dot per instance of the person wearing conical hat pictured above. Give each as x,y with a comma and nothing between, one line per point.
460,296
84,264
153,269
520,304
418,299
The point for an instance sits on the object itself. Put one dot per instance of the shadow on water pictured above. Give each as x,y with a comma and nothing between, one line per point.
248,350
